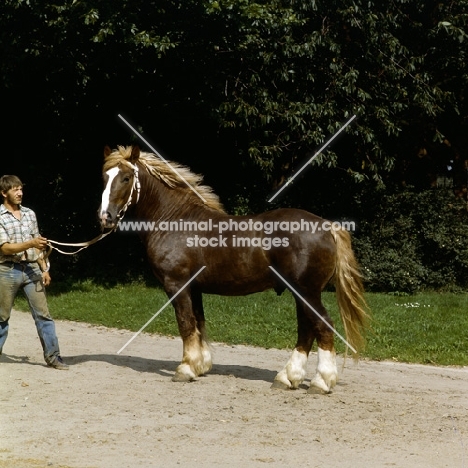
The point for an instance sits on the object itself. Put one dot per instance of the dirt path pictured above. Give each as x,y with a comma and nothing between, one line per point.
116,411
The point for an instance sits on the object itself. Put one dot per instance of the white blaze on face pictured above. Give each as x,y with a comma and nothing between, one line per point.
111,174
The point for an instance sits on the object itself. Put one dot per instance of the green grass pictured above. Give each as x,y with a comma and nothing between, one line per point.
427,328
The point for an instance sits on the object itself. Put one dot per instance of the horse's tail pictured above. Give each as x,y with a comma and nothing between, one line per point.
350,291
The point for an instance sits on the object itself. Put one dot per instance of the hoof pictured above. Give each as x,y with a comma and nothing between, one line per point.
181,378
278,385
318,391
183,373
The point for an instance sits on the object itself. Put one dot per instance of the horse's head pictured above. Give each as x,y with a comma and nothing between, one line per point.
121,184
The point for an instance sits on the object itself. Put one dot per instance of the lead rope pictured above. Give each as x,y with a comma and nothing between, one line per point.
83,245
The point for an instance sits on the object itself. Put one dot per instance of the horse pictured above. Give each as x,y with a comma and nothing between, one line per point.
194,247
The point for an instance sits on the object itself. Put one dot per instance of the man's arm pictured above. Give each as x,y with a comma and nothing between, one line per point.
39,243
9,248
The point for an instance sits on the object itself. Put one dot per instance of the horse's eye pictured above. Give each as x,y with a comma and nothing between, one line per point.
126,179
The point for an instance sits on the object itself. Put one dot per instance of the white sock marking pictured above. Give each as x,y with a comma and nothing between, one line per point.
325,378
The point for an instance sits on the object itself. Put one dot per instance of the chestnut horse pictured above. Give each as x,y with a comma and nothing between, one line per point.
186,229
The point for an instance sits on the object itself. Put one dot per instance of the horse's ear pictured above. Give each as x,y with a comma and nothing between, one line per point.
135,154
107,151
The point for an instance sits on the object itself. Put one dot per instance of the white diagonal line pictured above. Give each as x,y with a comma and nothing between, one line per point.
312,158
161,309
165,160
311,308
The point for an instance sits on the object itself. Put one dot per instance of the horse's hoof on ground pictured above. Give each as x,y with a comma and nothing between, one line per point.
278,385
317,391
181,378
184,373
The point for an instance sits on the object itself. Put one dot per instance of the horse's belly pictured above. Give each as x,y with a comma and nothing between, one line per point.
234,278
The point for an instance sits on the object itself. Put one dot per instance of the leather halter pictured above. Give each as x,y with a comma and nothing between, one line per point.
136,186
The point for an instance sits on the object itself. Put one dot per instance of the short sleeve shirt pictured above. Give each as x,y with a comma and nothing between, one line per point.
14,230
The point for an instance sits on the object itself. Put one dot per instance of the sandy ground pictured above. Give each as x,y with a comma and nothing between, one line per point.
122,410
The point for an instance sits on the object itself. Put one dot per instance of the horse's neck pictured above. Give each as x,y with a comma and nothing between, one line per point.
159,202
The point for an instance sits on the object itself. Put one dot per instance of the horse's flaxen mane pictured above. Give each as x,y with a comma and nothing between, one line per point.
172,174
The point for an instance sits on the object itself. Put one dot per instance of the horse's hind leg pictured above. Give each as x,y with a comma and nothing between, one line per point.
326,372
196,359
292,375
311,327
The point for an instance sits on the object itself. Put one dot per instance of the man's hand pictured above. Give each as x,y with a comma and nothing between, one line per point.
39,243
46,279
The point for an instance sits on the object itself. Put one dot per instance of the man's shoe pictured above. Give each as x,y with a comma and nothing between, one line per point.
58,364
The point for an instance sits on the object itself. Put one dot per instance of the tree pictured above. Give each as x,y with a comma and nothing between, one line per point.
299,69
279,77
242,91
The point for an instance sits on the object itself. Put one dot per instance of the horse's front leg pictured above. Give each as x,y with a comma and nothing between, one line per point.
197,303
196,358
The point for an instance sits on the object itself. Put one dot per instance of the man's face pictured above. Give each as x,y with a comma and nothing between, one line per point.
14,196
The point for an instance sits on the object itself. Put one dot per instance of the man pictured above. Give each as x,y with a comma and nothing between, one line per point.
22,267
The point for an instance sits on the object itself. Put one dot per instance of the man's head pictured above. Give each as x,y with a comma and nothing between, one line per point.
8,182
11,189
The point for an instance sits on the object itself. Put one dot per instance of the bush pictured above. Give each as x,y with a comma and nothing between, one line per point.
411,241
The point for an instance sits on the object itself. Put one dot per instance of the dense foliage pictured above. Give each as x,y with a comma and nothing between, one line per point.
244,92
414,240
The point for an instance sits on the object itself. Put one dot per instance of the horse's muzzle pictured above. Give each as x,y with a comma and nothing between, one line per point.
106,220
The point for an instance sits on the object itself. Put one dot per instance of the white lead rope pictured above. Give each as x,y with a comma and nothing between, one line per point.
82,245
44,255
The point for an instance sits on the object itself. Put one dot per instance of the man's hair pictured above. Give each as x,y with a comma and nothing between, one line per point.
7,182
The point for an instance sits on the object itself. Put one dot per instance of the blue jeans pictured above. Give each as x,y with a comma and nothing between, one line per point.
28,277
